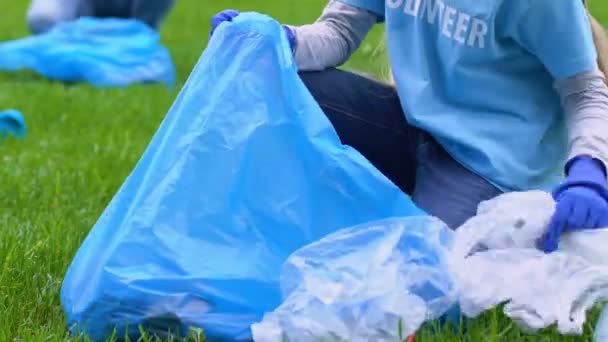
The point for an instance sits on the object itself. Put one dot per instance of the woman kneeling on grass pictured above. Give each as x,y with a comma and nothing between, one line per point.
42,15
489,96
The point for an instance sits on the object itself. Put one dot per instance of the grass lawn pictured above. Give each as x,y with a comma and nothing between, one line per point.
83,142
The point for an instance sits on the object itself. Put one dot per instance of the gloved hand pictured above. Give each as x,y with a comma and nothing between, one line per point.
229,15
581,201
225,15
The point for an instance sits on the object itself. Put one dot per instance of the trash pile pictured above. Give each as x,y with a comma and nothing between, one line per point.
414,270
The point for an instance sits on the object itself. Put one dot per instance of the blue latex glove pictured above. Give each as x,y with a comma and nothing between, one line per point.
581,201
225,15
12,122
229,15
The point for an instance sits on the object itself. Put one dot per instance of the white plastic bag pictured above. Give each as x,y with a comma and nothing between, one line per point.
494,261
374,282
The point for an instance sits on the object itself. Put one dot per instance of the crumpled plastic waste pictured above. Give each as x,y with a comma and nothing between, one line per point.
100,51
494,261
244,170
339,286
12,123
379,281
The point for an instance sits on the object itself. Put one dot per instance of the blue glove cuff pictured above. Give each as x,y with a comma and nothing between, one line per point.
587,168
584,171
599,188
291,37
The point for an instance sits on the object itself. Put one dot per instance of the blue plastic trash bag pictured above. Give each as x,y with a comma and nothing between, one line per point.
100,51
379,281
12,122
244,170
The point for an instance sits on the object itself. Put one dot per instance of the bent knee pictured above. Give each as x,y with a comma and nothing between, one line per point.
321,83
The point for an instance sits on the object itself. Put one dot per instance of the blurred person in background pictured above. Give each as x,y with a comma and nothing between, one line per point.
42,15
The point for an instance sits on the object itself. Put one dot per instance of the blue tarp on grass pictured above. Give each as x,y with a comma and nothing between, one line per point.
103,52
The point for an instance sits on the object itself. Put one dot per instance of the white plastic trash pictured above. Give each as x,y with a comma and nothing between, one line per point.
498,247
375,282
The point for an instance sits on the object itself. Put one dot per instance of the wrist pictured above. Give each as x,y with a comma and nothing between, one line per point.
587,172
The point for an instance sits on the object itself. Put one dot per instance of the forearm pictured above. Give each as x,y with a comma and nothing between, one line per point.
331,40
585,101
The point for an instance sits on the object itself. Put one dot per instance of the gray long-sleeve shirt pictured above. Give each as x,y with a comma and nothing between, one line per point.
341,28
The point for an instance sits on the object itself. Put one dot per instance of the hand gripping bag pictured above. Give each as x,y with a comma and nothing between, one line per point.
104,52
244,170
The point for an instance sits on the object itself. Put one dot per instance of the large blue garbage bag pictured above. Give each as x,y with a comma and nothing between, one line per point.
100,51
244,170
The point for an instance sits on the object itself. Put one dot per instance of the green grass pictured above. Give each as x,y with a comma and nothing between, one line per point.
600,10
83,142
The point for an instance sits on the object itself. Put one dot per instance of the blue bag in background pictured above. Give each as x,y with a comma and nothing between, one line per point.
244,170
100,51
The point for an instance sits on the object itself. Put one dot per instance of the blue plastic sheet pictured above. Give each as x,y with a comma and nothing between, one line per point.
244,170
100,51
13,123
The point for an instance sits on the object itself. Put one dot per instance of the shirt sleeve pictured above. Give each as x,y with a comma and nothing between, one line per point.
374,6
585,101
333,38
558,33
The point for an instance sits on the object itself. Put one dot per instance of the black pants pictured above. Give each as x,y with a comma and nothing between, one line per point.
368,116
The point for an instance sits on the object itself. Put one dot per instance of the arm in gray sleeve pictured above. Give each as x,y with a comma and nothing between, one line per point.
585,101
331,40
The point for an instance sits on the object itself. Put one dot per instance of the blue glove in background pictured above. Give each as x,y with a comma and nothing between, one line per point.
12,122
581,201
230,14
